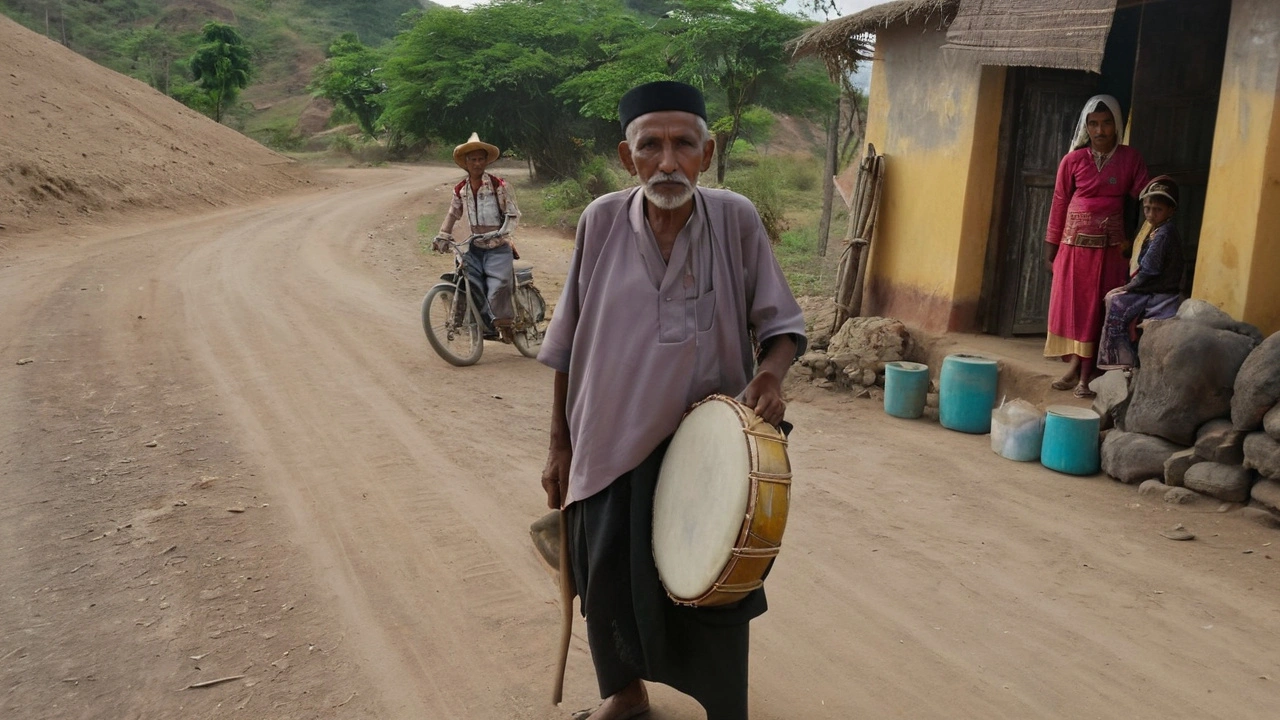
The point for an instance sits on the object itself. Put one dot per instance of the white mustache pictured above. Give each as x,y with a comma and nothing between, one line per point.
661,177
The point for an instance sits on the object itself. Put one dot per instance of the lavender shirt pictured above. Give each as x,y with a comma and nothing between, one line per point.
642,339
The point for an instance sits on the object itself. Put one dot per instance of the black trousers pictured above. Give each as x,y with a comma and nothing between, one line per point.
633,628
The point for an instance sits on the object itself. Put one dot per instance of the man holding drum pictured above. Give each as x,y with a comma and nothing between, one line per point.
673,294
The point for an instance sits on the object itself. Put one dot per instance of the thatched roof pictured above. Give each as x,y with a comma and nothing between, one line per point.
845,42
1071,35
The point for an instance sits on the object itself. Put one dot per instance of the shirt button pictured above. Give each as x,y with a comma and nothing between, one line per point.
667,299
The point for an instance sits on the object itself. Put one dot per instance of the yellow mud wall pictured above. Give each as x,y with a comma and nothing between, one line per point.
1238,266
936,118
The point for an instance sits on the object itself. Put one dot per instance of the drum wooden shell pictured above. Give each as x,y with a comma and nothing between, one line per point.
764,519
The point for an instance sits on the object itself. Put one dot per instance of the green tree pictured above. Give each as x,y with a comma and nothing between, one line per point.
221,66
349,77
154,50
454,73
736,51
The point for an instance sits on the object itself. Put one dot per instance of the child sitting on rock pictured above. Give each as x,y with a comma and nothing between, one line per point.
1154,289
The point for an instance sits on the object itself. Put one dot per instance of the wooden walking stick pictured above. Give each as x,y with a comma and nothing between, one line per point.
567,591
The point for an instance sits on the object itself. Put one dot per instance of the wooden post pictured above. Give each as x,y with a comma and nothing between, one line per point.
829,180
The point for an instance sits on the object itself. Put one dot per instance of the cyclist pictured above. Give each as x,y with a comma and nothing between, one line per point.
492,215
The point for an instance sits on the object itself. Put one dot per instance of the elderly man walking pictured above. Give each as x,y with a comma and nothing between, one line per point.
673,294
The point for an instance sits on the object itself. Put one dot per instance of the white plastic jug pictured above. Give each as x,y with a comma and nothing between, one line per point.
1017,428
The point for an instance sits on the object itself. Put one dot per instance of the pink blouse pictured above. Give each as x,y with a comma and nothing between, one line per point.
1084,197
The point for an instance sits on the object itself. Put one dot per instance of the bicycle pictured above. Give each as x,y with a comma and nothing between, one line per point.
452,321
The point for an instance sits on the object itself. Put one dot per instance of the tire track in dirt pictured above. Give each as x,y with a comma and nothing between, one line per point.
346,349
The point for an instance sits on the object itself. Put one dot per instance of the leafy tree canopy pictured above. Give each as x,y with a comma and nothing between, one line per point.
452,74
349,77
736,51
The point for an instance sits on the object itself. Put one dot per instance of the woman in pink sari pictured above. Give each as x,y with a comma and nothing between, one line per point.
1086,237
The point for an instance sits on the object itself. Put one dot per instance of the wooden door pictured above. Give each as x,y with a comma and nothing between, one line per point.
1176,83
1043,107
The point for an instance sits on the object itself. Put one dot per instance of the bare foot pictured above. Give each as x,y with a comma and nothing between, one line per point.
629,702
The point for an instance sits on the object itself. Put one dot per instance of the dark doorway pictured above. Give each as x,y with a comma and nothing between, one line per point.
1178,75
1041,108
1163,62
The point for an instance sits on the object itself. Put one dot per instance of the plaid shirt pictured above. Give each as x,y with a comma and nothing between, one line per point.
486,209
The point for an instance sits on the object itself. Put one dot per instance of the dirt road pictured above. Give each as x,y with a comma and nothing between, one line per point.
233,455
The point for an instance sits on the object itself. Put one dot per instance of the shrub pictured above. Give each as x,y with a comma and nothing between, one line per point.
564,195
802,174
342,143
760,186
597,177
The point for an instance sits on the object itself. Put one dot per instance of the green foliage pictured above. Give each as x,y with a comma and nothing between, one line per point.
597,177
736,50
756,125
153,51
761,186
191,95
452,74
342,143
567,194
349,78
807,272
221,66
284,35
802,176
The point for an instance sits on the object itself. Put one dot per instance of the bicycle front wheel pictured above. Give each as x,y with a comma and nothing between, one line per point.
453,329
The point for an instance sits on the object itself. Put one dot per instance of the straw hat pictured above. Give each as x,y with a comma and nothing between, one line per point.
471,145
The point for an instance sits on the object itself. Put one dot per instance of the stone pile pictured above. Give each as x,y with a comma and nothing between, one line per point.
1202,413
854,356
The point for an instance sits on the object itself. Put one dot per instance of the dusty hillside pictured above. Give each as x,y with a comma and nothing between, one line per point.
78,142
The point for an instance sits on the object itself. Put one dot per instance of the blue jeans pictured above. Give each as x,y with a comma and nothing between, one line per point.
492,281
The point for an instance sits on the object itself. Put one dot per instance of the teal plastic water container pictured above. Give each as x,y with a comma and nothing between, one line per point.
1071,440
967,392
906,384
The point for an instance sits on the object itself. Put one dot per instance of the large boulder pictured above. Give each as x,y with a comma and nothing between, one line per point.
1219,441
1112,398
1187,378
1271,422
1206,313
1225,482
1176,467
1267,494
1257,386
1262,453
1133,457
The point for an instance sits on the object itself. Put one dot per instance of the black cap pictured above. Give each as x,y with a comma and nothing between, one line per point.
658,96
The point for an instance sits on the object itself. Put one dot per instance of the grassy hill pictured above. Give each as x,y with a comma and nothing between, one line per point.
287,37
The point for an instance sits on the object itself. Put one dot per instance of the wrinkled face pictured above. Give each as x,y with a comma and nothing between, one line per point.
667,151
1102,130
477,161
1157,210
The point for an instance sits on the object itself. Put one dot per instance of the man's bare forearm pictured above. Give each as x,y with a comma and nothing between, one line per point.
779,353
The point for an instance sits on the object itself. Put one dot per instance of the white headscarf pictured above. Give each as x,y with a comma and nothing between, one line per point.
1081,138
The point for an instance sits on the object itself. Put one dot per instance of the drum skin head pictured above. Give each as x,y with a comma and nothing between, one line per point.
701,499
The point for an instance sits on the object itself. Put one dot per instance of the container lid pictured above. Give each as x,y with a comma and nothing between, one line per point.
971,359
906,365
1071,411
